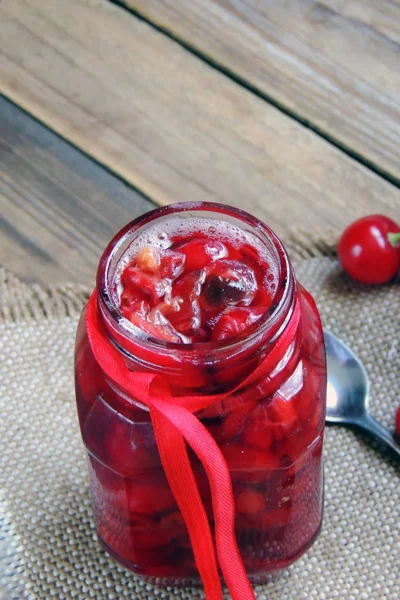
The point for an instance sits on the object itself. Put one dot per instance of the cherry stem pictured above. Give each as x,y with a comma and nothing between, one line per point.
394,239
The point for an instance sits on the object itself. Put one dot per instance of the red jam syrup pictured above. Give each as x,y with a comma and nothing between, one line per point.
207,287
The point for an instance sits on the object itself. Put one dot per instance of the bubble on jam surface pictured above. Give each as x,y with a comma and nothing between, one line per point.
216,249
171,227
270,281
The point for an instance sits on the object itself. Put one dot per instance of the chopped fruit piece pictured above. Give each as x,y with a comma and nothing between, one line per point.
221,292
195,254
263,298
200,252
170,306
130,302
172,264
186,319
161,331
297,443
140,284
188,286
234,321
136,307
148,260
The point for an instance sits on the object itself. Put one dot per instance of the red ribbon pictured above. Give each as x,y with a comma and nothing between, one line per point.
174,423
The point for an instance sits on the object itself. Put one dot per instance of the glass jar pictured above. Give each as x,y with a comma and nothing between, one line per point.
270,431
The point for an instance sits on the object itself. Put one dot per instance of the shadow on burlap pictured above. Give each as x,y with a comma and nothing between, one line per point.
48,545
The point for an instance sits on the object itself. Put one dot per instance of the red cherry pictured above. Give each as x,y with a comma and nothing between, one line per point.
126,542
123,457
110,437
297,444
258,431
273,518
148,499
230,427
282,412
249,502
365,251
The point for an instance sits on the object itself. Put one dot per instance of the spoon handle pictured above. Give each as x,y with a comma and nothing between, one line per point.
370,424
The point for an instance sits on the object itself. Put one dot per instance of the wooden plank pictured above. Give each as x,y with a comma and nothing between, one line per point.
332,62
169,123
58,208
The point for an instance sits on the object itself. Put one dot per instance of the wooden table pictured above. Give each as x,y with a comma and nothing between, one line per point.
288,109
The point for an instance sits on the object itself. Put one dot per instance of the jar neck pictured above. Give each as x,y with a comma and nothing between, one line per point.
236,356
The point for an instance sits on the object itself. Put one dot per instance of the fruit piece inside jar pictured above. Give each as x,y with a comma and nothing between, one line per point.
196,282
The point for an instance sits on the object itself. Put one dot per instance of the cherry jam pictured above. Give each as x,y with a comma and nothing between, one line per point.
200,293
195,283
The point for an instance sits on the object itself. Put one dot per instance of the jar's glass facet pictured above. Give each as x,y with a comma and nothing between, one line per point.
270,436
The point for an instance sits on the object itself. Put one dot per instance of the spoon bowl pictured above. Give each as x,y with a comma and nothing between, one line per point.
348,392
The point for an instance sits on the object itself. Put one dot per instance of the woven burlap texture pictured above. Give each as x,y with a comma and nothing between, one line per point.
48,544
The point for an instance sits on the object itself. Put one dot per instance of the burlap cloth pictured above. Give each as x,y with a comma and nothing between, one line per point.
48,544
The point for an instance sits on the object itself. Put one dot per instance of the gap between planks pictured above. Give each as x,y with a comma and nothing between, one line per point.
157,20
169,124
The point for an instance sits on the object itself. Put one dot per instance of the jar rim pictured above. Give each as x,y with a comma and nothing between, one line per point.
123,331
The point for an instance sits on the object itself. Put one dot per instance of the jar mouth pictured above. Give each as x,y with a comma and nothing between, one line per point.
124,331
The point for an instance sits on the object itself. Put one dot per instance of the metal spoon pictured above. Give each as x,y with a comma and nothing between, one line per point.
348,392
